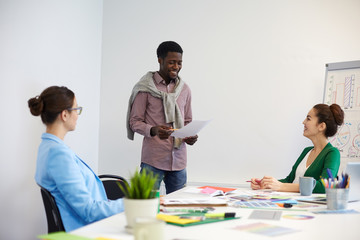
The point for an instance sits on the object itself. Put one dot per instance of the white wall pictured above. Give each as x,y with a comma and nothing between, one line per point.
236,54
256,67
43,43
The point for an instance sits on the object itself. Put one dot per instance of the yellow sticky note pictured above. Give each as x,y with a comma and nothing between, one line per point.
176,219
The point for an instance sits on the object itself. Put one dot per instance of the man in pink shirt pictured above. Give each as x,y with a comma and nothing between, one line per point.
161,102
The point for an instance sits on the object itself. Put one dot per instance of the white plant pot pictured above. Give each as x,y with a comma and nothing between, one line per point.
135,208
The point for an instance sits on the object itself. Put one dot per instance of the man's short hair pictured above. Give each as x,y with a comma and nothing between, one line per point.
168,46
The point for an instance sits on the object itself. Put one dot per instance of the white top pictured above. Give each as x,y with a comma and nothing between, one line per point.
301,169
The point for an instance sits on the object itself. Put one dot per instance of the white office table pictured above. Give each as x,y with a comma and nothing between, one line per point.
322,226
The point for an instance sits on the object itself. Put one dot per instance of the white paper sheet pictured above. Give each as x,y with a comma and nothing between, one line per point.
199,201
191,129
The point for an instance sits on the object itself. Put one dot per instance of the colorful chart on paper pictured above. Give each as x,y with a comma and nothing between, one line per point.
342,86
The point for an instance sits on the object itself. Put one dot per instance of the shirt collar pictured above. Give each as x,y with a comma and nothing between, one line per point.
51,137
159,80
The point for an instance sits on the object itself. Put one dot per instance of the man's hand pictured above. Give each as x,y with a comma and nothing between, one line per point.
162,131
191,140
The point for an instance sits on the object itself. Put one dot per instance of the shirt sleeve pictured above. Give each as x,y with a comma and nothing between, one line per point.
137,115
188,110
331,162
79,189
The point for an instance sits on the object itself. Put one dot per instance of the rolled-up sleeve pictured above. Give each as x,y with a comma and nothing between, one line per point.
137,115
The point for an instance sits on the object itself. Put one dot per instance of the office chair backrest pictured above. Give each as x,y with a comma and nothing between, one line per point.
113,191
53,217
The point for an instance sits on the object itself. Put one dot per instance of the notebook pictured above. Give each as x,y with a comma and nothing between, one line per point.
353,169
191,219
313,199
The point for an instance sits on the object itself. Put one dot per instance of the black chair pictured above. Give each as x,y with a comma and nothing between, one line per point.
112,189
53,217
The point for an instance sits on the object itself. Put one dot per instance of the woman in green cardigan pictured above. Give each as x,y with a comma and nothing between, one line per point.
321,122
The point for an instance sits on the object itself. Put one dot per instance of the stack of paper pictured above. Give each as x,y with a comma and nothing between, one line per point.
195,202
216,191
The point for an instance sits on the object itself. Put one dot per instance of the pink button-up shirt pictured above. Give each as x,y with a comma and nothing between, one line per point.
148,111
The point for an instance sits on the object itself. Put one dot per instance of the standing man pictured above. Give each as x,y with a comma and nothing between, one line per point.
161,102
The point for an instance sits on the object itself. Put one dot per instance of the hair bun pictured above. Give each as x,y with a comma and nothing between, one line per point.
36,105
338,113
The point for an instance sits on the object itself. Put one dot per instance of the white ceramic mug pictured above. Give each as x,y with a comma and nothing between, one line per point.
148,228
307,185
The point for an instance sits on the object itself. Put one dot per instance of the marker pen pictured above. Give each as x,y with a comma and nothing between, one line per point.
220,215
284,205
257,180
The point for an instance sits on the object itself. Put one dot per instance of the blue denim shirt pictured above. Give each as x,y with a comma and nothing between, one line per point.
78,192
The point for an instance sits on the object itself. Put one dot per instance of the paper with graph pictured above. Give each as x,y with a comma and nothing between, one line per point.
342,86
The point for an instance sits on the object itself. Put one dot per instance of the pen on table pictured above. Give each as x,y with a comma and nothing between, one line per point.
284,205
200,218
220,215
258,181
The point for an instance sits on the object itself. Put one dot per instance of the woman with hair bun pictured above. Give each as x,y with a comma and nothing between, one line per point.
321,123
78,192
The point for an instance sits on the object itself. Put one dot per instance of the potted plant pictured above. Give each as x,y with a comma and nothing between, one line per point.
141,199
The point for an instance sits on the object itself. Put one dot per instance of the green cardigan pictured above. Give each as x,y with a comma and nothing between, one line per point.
329,157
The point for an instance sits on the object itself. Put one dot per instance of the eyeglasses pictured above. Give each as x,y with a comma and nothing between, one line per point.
78,110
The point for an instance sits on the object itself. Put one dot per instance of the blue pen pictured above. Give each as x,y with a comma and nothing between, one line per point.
343,180
330,174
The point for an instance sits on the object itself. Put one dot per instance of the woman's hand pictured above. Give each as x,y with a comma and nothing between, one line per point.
256,183
271,183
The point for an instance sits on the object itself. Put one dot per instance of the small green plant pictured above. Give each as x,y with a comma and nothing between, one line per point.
141,185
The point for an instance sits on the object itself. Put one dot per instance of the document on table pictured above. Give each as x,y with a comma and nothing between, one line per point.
265,214
265,229
191,129
195,202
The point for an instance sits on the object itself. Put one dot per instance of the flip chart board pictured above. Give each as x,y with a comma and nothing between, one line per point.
342,86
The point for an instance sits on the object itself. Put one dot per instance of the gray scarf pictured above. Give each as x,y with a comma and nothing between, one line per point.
171,108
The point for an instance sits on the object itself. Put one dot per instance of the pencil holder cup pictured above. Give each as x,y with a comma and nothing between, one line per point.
337,198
